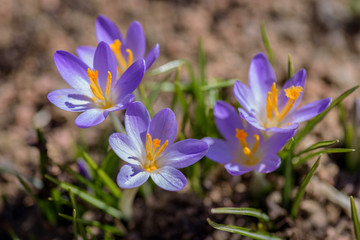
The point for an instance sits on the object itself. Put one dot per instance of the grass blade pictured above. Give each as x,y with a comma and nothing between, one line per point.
313,122
242,211
355,218
300,193
267,43
173,65
330,150
242,231
318,145
290,67
87,197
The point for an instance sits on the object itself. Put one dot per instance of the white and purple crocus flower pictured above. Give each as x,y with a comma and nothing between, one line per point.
268,109
126,50
149,150
244,148
95,91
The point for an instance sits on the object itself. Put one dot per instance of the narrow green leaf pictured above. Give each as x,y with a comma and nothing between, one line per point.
288,185
318,145
103,176
173,65
202,61
111,164
104,227
313,122
145,99
355,218
300,193
242,231
155,92
87,197
243,211
290,67
267,43
299,161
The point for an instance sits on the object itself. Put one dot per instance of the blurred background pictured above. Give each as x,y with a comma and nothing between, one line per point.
322,36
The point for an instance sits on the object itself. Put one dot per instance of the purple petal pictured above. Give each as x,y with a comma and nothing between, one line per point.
137,121
125,148
250,119
86,54
169,178
269,164
163,126
131,78
236,169
135,40
91,118
70,100
132,176
245,97
152,55
106,30
277,141
122,102
73,71
227,120
297,80
310,110
184,153
82,167
261,77
219,150
104,62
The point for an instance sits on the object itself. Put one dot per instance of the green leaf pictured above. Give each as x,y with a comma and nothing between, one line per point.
111,164
318,145
299,161
267,43
242,231
300,193
87,197
243,211
355,218
290,67
202,61
103,176
104,227
173,65
313,122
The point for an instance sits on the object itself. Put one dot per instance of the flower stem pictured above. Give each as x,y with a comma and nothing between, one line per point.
127,202
117,124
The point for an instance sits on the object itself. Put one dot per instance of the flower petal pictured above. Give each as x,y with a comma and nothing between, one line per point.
125,148
219,150
245,97
169,178
227,120
297,80
131,78
277,141
250,119
132,176
184,153
106,30
91,118
122,102
86,54
310,110
70,100
163,126
237,169
135,40
137,121
104,62
152,55
261,77
73,71
269,164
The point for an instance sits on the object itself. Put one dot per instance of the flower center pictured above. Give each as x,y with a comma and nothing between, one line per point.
123,64
272,112
153,151
102,100
251,158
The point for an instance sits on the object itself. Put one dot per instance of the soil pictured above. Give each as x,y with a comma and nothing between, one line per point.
322,36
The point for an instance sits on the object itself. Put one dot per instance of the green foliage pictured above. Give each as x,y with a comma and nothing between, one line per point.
355,218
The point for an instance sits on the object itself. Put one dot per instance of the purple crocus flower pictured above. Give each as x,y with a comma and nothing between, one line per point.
244,148
267,108
149,150
95,92
126,50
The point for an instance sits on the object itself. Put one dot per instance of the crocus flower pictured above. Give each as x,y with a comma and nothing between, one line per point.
244,148
126,50
83,169
95,92
149,150
265,107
